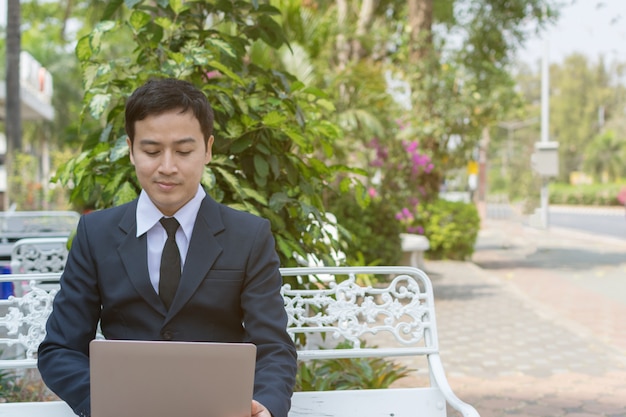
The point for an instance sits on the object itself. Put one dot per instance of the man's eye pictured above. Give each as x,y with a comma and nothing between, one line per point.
152,153
184,152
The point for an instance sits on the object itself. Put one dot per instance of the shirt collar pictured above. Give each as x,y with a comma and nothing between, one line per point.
148,214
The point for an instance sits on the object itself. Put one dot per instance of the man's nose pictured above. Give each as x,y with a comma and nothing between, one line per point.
168,162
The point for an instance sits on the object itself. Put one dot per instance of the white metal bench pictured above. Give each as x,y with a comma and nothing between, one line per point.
413,248
16,225
39,255
395,318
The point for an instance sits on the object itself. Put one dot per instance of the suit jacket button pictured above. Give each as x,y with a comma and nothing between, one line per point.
167,335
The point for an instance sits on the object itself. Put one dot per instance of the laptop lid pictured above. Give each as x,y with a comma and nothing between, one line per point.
165,379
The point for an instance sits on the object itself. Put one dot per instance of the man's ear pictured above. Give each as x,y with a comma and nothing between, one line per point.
130,150
209,150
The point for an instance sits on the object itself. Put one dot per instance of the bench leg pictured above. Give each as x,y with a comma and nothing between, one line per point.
417,259
414,259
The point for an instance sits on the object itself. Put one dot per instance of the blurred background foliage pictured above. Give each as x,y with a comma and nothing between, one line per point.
362,109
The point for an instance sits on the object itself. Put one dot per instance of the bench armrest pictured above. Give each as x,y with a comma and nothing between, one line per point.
439,377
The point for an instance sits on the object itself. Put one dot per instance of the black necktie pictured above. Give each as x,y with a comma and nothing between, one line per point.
170,262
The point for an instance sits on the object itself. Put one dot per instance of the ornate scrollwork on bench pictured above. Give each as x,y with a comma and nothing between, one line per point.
39,255
25,320
346,311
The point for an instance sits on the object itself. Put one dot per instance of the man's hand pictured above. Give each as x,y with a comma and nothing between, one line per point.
258,410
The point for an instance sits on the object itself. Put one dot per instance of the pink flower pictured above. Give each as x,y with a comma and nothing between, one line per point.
374,143
213,74
401,125
411,146
621,196
372,192
404,214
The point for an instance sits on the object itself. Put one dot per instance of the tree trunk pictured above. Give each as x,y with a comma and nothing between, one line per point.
13,122
342,45
364,24
481,192
420,27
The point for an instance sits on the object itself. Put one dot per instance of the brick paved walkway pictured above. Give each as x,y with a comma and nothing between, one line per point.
521,337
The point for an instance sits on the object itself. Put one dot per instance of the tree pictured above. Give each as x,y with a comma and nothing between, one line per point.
458,87
604,156
268,124
46,35
351,48
586,98
577,92
13,120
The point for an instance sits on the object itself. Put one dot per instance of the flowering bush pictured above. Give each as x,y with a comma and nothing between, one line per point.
398,173
621,196
404,168
418,162
401,176
410,221
401,180
403,190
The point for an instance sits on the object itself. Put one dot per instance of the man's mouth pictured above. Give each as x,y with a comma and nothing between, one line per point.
166,185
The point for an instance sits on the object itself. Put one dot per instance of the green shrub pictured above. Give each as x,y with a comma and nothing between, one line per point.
372,234
348,373
451,227
585,194
23,386
8,386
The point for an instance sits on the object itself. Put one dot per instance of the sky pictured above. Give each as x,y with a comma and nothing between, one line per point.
589,27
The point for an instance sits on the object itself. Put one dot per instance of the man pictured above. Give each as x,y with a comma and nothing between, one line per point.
229,289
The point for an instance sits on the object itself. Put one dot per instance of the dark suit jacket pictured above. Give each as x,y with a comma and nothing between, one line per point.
229,291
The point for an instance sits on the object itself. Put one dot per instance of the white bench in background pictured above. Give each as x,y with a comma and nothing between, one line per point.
400,310
39,255
16,225
413,248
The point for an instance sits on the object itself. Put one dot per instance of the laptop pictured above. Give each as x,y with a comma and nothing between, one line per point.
165,379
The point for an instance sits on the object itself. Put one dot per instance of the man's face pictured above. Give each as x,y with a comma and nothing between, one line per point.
169,156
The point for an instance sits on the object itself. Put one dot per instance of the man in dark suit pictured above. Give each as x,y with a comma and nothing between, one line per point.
229,288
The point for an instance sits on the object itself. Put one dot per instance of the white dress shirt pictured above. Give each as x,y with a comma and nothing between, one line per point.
148,216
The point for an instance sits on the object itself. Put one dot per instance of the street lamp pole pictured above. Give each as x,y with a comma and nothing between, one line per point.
545,126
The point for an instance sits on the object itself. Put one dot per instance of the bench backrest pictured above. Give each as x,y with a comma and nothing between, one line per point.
16,225
350,305
325,306
39,255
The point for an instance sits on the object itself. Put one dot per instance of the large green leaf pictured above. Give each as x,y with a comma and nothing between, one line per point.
256,195
261,166
98,104
120,150
139,19
178,6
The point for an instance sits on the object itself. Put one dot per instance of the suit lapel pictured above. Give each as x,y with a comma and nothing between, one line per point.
133,249
202,253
